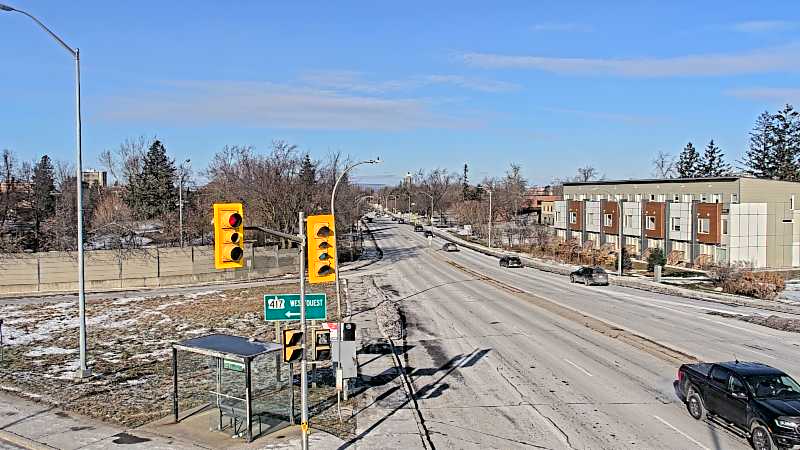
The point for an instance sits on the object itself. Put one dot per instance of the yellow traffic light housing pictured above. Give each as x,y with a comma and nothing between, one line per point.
322,345
228,235
292,345
321,239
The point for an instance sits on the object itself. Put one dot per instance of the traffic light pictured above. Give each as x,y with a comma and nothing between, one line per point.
321,238
228,235
292,345
322,345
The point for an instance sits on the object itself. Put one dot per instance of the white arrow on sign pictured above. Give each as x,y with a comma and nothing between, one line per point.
290,314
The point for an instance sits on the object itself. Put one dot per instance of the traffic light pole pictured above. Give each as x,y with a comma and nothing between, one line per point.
304,359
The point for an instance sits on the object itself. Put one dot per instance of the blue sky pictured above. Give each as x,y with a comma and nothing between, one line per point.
549,85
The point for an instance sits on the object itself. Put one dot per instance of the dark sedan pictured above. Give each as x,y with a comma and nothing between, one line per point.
589,275
428,233
510,261
450,247
417,227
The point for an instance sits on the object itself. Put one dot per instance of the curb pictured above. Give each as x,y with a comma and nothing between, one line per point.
22,441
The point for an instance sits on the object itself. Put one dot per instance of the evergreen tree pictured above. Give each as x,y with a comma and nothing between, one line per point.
688,162
713,162
151,193
759,160
786,138
43,204
308,180
465,191
656,258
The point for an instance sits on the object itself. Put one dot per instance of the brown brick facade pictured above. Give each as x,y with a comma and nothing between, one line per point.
712,212
656,211
575,206
612,208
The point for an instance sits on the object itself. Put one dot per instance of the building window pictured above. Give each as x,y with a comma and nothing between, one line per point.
676,197
608,220
652,197
591,218
628,220
704,198
661,198
687,198
716,198
566,196
573,217
558,216
675,223
637,197
724,226
791,202
734,198
650,222
703,225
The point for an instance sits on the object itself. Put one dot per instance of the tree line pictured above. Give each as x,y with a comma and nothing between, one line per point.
38,199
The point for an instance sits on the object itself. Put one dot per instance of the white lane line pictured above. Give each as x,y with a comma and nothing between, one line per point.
759,353
578,367
681,432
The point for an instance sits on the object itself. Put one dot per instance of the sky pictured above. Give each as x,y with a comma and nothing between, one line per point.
550,86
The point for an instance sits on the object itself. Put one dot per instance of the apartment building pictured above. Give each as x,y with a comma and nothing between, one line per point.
694,220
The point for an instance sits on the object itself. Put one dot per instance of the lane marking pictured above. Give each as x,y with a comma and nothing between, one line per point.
681,433
759,353
578,367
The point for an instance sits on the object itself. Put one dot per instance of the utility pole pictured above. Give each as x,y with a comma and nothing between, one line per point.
180,199
621,236
489,189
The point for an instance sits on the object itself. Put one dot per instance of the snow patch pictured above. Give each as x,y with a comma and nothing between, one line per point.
50,351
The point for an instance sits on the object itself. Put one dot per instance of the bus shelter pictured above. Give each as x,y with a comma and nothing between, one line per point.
242,380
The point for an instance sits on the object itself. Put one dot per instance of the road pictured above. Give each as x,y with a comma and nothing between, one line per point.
499,358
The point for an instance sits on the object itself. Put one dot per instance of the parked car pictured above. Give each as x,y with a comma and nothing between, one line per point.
417,227
510,261
589,275
762,401
450,247
394,219
400,220
428,233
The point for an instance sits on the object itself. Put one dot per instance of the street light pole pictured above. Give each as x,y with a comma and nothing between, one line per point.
489,189
336,265
83,370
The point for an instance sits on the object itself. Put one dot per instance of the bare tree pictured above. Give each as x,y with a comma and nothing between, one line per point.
8,185
664,165
587,173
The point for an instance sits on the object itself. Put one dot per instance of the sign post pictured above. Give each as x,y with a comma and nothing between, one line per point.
303,361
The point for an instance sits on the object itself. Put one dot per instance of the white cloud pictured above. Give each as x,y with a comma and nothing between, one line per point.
562,27
356,82
778,59
269,105
767,93
762,26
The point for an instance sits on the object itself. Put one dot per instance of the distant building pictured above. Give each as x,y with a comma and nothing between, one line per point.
539,200
693,220
15,186
95,176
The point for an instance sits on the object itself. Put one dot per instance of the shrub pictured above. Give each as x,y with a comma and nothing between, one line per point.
656,258
627,264
741,280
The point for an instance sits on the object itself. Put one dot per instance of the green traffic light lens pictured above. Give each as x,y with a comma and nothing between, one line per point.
236,253
325,271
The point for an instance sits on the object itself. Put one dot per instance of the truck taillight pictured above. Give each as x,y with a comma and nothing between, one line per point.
680,375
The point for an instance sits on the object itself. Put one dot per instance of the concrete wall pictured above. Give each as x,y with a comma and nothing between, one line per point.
107,269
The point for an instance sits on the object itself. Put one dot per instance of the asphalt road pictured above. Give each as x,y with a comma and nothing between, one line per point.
500,359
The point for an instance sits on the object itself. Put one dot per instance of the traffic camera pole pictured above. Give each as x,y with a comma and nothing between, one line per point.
304,360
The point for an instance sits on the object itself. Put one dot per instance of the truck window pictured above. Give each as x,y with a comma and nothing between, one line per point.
720,375
736,385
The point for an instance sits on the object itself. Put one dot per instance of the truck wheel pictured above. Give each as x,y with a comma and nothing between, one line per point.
761,438
695,405
586,281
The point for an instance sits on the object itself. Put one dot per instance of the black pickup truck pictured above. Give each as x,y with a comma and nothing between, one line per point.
760,400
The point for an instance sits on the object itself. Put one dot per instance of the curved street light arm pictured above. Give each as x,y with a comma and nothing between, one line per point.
73,51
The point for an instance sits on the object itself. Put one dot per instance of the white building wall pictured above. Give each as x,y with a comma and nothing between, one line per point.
747,226
560,210
683,212
632,218
593,216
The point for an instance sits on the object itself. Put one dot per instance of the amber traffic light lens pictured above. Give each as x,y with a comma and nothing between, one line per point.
323,245
235,238
236,253
235,219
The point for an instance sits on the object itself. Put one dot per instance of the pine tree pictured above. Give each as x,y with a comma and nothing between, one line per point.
759,160
465,191
713,162
43,202
151,193
688,162
308,179
786,136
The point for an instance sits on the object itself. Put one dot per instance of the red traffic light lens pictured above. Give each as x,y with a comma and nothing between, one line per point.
235,219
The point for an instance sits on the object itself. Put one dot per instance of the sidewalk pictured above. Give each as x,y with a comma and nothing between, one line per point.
385,417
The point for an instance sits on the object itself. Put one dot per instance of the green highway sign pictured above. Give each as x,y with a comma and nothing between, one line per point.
232,365
287,307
